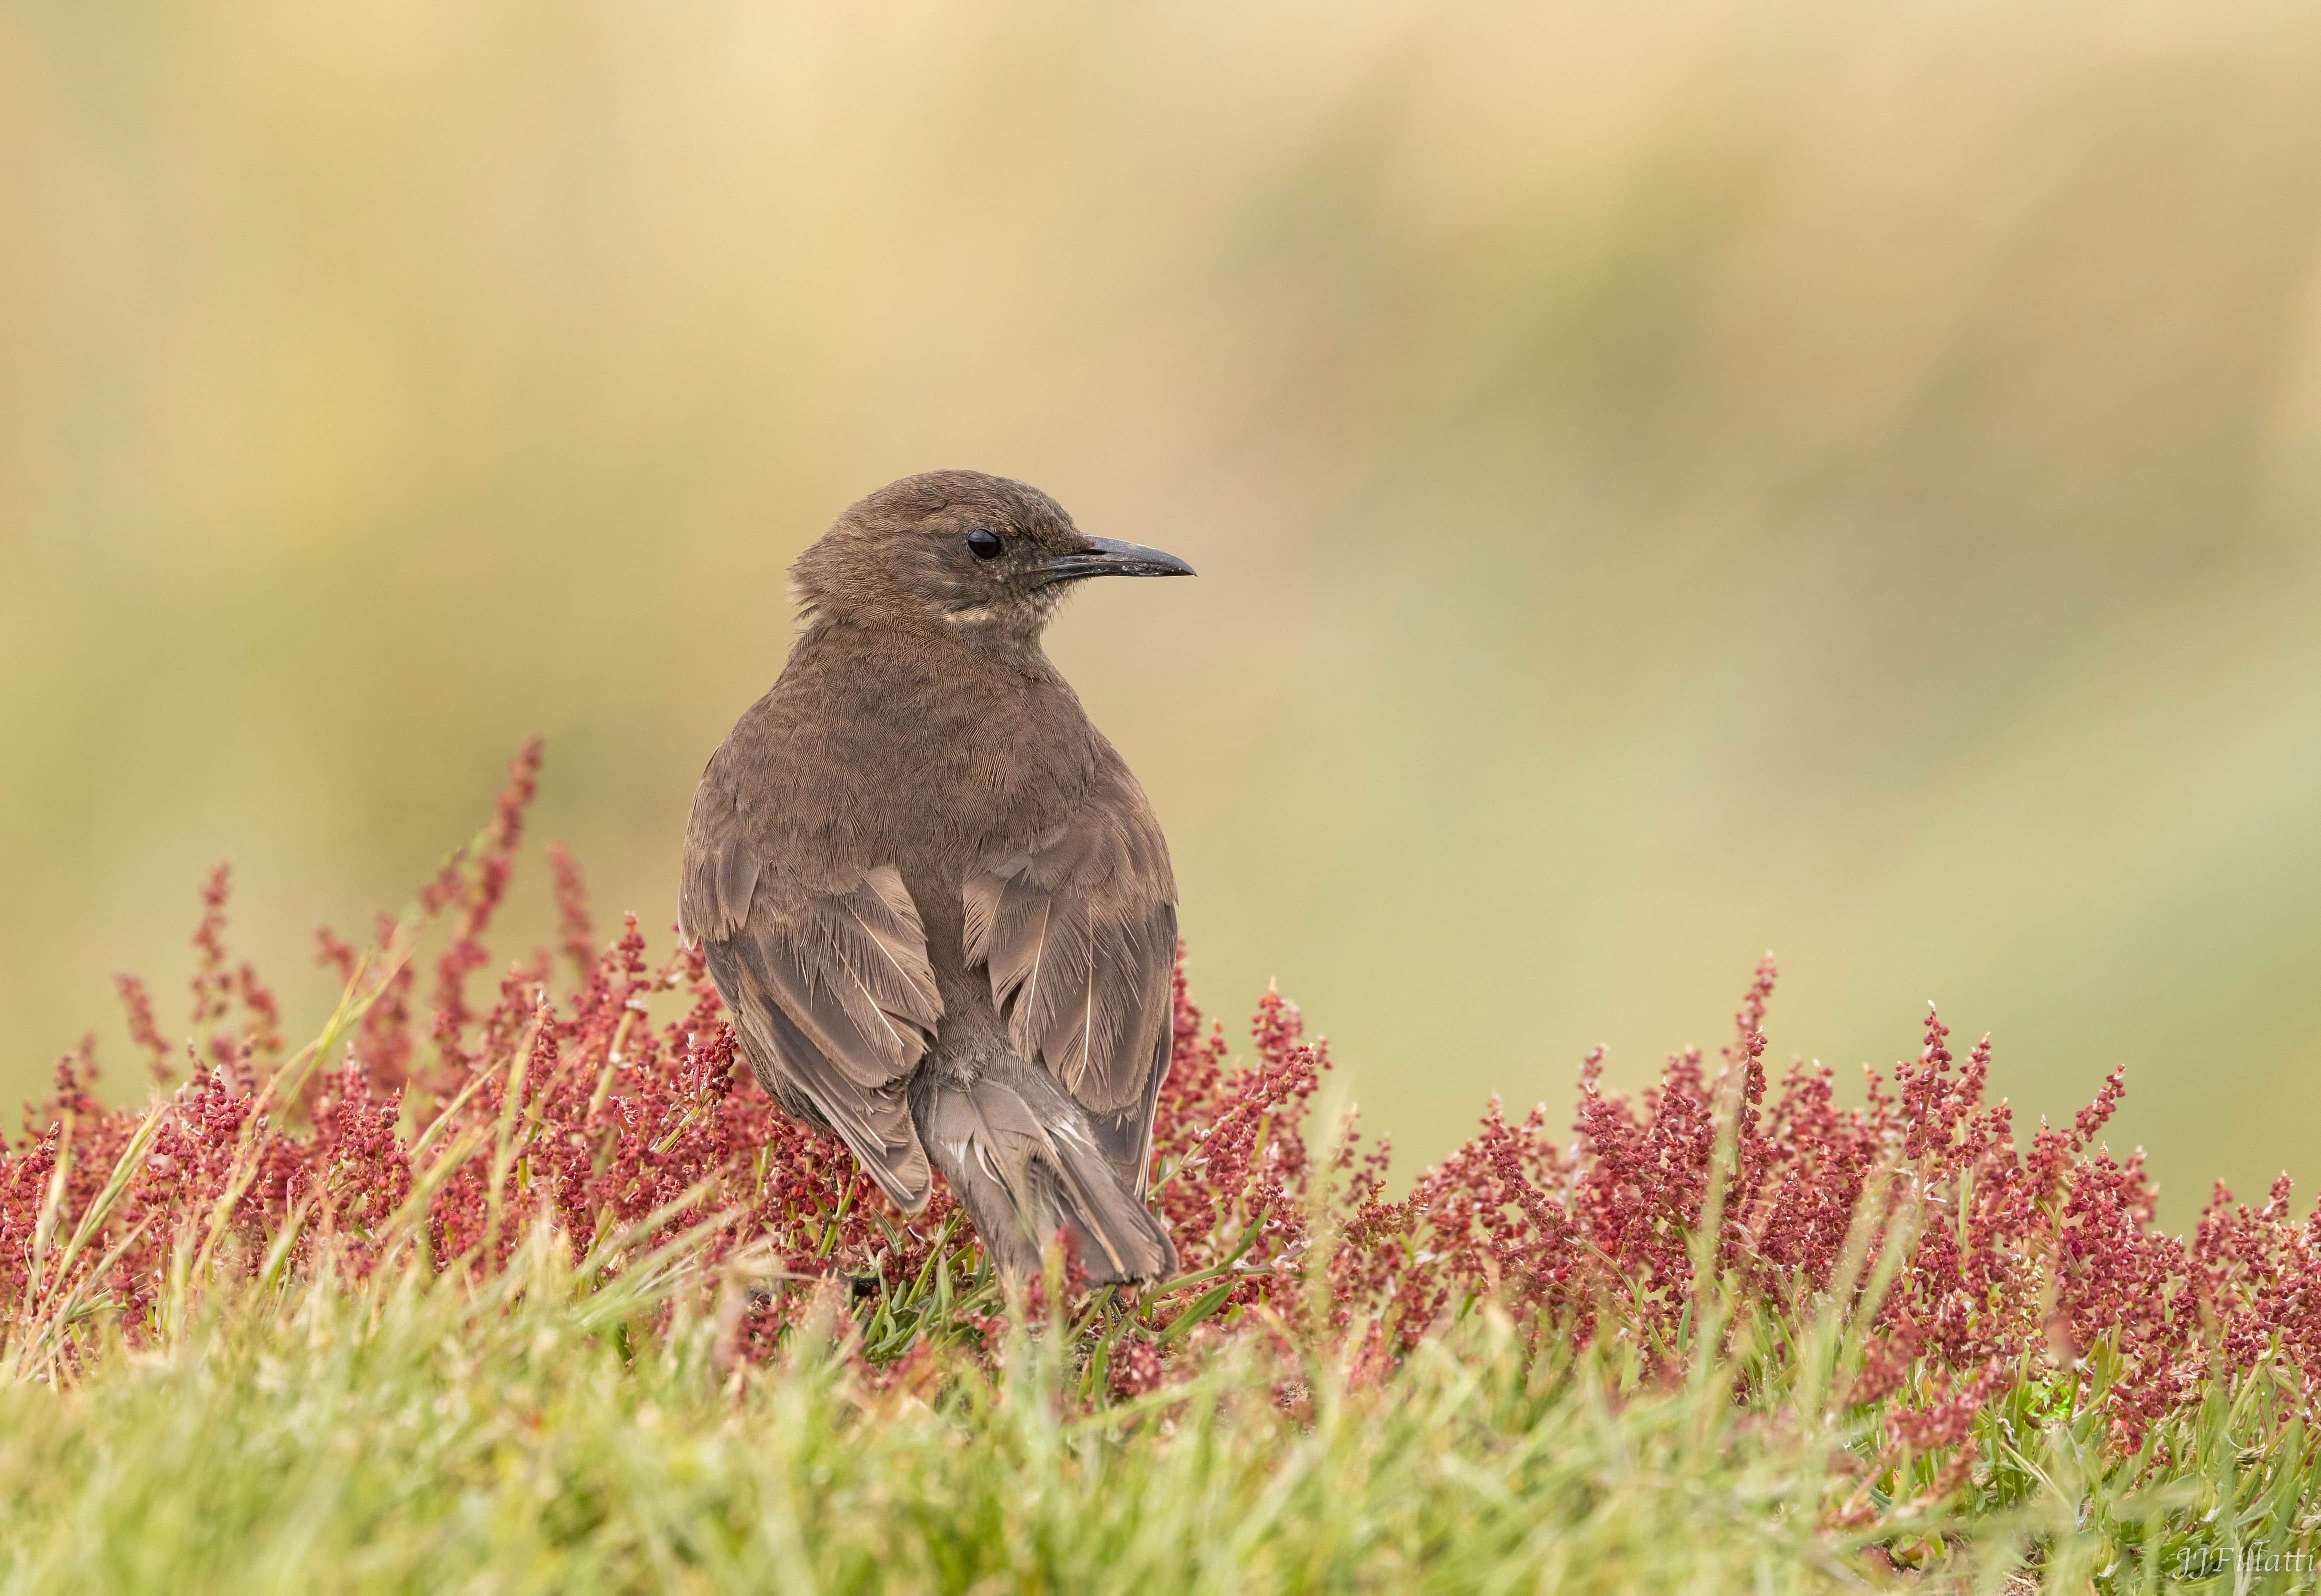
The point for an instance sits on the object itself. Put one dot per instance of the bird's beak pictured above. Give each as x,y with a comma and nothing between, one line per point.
1109,557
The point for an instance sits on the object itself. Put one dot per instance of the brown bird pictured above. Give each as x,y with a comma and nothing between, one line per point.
936,901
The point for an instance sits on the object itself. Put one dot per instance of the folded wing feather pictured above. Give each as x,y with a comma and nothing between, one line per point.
831,994
1078,936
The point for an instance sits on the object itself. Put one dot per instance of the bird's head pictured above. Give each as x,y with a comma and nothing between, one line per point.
979,556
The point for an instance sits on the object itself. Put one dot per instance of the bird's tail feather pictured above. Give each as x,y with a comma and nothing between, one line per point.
1021,1156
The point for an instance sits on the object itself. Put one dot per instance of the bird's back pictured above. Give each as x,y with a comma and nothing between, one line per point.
930,759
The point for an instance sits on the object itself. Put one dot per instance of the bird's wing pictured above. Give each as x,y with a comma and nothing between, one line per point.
829,985
1079,933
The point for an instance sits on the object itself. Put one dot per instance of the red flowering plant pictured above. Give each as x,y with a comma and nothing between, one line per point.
1710,1220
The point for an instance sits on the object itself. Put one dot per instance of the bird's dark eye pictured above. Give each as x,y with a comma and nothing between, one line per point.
984,544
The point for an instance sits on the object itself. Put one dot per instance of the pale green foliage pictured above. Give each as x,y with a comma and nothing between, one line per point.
538,1433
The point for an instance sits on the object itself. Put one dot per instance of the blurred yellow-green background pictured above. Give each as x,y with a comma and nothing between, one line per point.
1667,481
